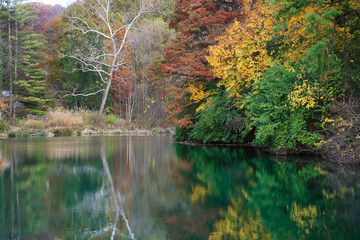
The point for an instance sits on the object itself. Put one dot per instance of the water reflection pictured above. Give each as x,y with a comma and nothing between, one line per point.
149,188
116,195
270,199
78,187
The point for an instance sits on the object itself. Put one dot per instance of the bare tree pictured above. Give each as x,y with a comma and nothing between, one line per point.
96,18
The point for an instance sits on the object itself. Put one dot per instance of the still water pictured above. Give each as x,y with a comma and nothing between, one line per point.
150,188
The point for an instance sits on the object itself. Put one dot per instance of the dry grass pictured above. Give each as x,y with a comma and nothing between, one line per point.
64,118
88,116
76,120
34,124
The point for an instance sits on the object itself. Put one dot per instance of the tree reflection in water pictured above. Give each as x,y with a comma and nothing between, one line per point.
116,195
268,198
149,188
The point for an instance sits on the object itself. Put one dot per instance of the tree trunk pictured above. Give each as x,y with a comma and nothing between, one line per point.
10,70
103,101
106,93
120,99
15,68
1,66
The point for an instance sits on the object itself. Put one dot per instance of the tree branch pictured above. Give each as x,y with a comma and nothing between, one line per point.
73,94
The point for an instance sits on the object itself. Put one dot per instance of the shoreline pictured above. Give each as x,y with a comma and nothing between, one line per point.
324,159
58,132
280,152
63,131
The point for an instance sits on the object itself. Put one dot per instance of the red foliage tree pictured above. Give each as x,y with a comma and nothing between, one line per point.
198,23
122,88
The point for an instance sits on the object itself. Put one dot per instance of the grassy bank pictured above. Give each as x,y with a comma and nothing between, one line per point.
63,122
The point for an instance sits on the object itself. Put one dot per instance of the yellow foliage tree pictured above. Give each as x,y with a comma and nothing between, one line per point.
311,23
240,57
198,94
242,54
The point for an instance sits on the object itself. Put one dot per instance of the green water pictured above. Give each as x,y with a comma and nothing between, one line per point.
151,188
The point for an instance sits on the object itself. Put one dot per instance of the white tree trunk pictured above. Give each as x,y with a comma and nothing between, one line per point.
93,61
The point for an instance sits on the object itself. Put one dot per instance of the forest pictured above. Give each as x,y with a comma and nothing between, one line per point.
278,74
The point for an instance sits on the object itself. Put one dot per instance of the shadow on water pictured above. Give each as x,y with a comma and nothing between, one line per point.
150,188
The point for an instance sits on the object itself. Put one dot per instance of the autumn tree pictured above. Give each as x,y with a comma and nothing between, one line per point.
122,89
45,13
241,55
61,77
110,30
198,24
290,67
147,44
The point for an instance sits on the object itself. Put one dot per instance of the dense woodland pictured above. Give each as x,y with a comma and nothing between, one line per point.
281,74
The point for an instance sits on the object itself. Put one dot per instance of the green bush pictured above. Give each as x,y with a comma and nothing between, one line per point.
40,134
37,112
4,124
18,134
218,122
111,119
182,134
276,121
12,135
63,132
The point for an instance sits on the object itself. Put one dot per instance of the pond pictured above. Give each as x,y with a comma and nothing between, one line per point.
131,187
